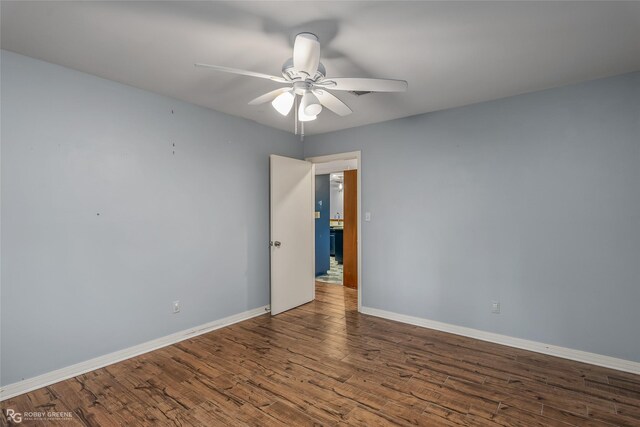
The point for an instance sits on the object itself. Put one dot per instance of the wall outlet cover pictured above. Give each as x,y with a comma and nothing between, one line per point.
495,307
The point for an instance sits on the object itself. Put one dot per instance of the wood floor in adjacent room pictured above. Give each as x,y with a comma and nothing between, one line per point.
326,364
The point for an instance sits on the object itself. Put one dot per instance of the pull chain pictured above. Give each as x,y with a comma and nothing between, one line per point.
295,116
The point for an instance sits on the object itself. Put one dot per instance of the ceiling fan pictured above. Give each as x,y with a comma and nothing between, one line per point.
307,84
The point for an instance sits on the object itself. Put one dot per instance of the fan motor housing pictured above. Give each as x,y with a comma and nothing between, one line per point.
290,73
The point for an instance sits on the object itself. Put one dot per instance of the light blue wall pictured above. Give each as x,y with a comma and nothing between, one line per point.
191,226
532,200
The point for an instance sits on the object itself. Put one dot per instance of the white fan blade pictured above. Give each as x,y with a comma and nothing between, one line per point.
243,72
306,53
270,96
332,103
364,85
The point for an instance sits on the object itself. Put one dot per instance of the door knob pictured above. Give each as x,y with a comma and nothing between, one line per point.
277,244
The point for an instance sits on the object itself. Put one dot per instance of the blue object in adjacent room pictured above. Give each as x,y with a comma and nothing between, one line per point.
339,240
332,243
322,224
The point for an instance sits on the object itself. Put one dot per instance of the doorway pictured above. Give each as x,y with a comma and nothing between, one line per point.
337,221
292,233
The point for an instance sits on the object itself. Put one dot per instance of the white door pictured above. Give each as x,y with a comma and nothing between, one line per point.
292,233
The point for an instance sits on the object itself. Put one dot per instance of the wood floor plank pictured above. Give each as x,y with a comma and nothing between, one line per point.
326,364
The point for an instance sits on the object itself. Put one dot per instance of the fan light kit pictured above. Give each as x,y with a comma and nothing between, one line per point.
307,84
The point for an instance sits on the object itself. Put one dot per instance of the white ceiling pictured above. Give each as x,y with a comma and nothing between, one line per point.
451,53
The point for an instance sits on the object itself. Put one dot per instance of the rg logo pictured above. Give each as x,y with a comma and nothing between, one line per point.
14,416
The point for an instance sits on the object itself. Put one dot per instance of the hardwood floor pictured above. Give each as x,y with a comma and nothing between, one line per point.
326,364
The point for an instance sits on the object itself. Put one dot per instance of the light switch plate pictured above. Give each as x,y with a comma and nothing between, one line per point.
367,216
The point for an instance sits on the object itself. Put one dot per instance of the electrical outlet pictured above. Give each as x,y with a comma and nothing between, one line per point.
495,307
176,307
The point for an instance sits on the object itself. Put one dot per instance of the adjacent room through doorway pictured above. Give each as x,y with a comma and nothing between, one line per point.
336,223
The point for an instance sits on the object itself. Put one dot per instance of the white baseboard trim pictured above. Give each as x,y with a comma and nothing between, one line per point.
62,374
552,350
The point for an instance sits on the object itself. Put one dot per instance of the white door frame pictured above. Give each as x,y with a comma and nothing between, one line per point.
350,156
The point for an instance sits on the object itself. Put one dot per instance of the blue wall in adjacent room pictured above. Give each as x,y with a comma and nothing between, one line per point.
322,224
